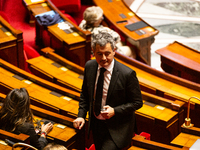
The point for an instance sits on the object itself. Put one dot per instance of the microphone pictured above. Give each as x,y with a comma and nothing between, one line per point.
9,142
187,123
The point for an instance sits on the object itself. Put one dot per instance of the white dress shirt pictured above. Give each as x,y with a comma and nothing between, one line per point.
107,78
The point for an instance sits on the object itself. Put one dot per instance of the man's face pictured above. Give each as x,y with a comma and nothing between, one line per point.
104,55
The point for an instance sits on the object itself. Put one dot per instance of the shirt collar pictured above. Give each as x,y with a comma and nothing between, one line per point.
108,68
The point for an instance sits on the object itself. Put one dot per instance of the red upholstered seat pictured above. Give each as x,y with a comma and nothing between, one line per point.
70,6
92,147
3,14
70,18
146,135
29,53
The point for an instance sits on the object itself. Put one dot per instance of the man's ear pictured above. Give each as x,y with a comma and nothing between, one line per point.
93,50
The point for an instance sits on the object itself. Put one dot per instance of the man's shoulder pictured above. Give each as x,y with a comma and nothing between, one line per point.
91,62
122,67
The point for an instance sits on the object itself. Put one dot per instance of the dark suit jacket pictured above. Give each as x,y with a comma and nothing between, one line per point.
28,129
124,96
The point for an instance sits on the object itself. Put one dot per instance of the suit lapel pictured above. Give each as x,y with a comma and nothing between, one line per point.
114,77
92,75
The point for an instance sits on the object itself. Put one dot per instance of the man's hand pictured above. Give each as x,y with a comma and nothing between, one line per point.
79,123
108,112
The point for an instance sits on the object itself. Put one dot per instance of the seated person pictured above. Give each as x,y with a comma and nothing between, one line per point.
93,17
16,117
53,146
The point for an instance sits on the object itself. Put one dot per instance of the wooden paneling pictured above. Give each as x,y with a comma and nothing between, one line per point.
164,84
11,44
181,61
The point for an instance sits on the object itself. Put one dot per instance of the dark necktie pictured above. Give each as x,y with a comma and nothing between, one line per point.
99,92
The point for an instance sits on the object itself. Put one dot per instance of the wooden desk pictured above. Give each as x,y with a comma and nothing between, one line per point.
181,61
160,117
63,75
11,44
139,141
63,131
185,139
164,84
42,93
192,130
117,10
75,46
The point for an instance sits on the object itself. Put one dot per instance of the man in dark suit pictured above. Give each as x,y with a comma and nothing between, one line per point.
113,128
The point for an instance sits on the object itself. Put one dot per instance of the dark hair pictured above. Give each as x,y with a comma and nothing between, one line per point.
102,38
15,110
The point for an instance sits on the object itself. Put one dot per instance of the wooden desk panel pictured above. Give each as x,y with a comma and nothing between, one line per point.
184,139
192,130
11,44
181,61
40,95
113,10
50,53
141,142
59,74
159,118
165,84
160,81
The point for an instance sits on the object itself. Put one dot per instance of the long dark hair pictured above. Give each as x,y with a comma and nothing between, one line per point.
15,110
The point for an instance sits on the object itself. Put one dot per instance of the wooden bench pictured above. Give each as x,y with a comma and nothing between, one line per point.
141,37
11,44
180,60
57,70
164,84
140,143
42,93
75,46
